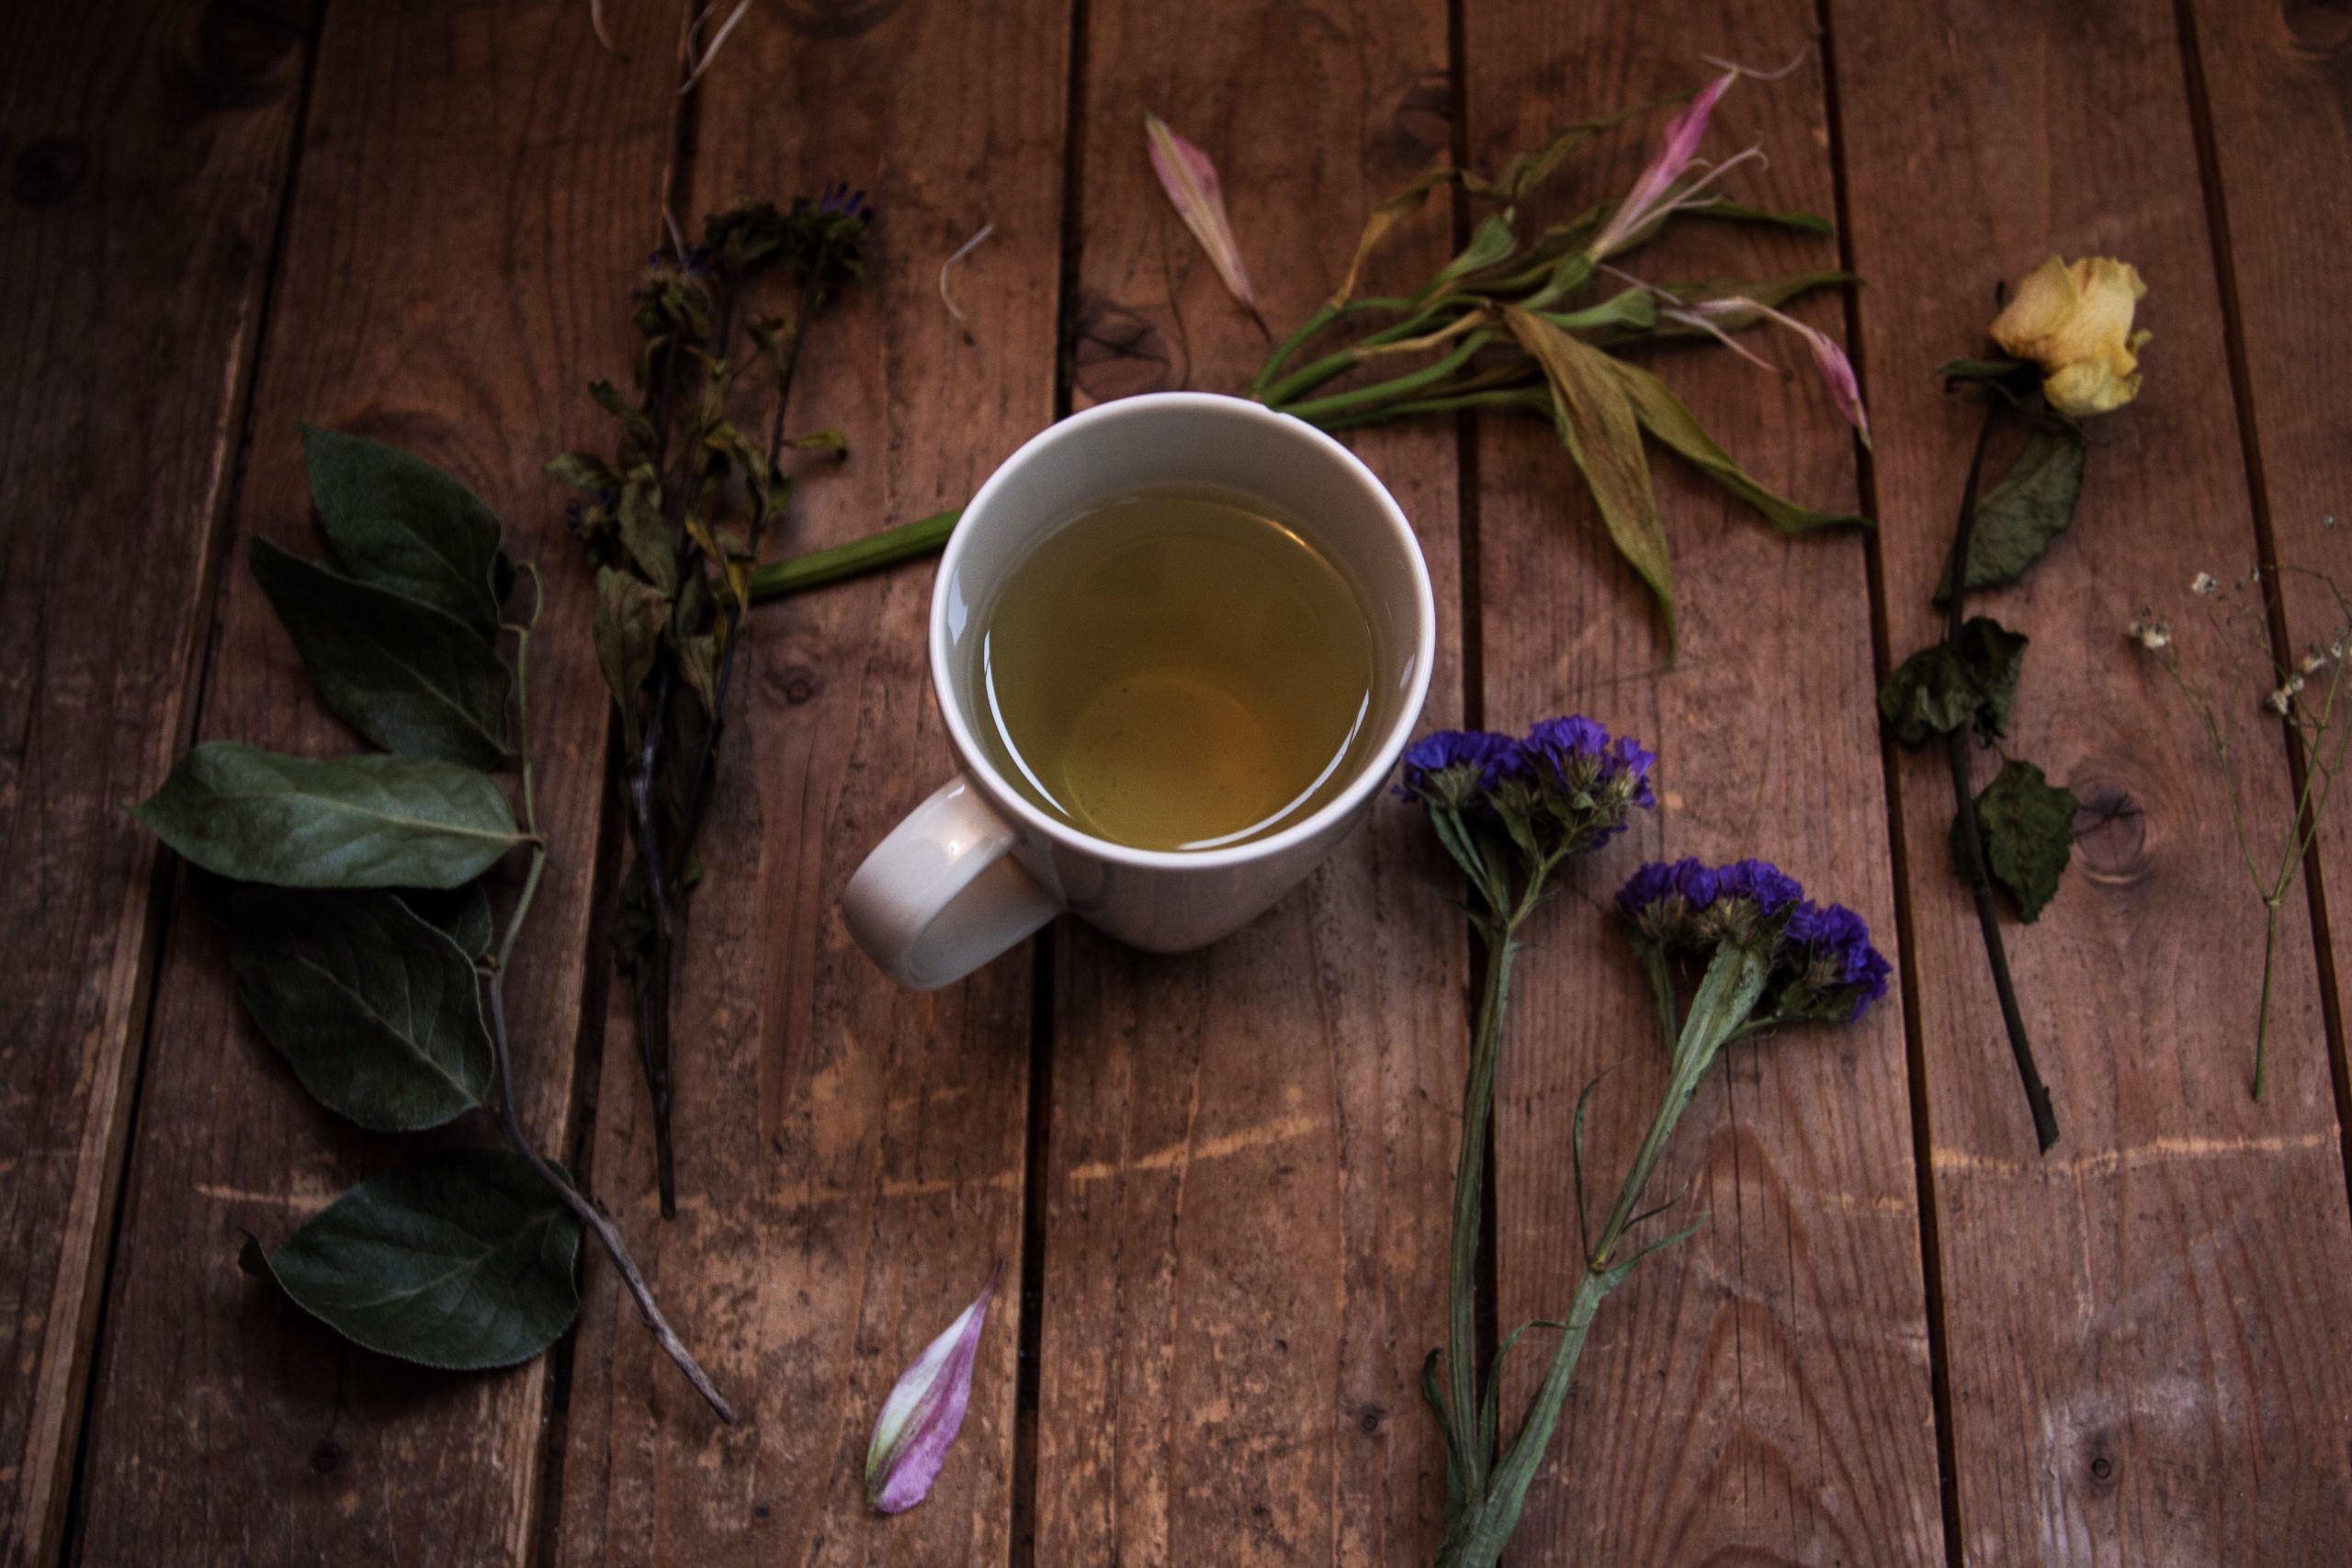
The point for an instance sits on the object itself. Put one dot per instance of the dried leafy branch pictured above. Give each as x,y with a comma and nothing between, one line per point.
2309,696
356,895
2067,351
675,521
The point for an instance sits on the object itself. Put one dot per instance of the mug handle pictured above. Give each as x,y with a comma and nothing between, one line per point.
943,894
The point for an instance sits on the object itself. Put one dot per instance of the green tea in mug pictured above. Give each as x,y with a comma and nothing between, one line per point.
1176,671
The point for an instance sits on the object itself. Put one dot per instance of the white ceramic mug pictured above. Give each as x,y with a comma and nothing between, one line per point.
978,868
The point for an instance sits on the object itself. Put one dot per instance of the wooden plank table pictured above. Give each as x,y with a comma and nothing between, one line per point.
1221,1181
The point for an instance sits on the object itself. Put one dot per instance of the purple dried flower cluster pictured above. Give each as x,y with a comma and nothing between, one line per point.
1568,771
1829,968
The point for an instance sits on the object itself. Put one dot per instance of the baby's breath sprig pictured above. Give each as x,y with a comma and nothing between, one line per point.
1512,812
2244,679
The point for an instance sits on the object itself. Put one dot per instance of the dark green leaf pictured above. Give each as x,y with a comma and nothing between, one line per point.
584,471
698,662
396,522
2018,518
1489,242
463,1260
370,821
645,534
1671,423
633,420
2028,826
377,1013
630,614
1739,213
402,673
1597,424
1941,688
461,914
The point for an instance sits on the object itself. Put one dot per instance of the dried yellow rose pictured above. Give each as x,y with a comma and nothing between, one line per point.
2074,321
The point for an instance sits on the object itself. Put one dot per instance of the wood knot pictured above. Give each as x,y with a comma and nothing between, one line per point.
2111,834
49,171
1369,1419
2101,1465
837,18
327,1457
795,685
1422,124
2319,29
1115,352
233,63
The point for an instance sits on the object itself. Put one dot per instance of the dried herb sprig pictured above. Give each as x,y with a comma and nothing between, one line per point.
675,522
2310,696
1520,321
356,895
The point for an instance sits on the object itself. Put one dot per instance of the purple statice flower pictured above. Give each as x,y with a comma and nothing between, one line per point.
1451,766
1583,780
1836,973
1658,901
1749,894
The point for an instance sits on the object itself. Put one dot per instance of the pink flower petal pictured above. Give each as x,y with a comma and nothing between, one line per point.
1837,376
1674,151
1191,182
925,1410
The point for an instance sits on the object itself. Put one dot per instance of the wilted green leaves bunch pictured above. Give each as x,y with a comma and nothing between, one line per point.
2068,351
674,520
357,894
2310,694
1534,320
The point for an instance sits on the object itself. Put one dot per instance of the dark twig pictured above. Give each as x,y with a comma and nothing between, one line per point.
607,1235
1980,880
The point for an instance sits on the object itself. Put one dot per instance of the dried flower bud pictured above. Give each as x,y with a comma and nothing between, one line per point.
2074,321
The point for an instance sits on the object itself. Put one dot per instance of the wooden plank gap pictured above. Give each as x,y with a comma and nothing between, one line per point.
1914,1057
159,901
2233,335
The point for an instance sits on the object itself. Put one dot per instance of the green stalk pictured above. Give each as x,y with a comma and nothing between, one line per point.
1428,375
1533,398
872,553
1300,382
1469,1186
1734,981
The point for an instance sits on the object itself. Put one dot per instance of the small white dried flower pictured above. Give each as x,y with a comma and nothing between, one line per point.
2205,583
2151,635
2277,701
2313,662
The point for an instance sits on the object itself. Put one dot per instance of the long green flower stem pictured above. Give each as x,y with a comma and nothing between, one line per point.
1477,1532
889,547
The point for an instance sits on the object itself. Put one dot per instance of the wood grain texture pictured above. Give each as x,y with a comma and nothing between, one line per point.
472,201
1251,1146
2149,1337
1761,1393
2278,87
850,1154
146,144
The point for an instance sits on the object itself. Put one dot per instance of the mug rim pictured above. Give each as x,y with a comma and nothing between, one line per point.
1367,779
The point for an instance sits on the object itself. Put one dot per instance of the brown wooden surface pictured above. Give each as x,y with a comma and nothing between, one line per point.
137,235
1218,1182
1764,1388
1250,1152
457,315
